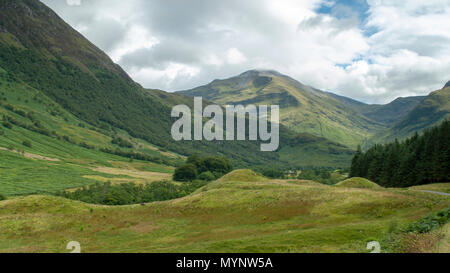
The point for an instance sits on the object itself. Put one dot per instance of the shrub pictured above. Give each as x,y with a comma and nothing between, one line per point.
272,173
214,167
207,176
122,142
2,197
186,172
431,222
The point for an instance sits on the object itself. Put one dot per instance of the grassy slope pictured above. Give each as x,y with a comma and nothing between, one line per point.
239,213
358,182
52,164
441,187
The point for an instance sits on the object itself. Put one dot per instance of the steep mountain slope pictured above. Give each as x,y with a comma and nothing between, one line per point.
430,112
40,52
303,108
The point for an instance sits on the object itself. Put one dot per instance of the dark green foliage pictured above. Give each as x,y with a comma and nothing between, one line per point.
321,175
418,160
130,193
196,164
122,142
2,197
430,223
207,176
7,125
273,173
186,172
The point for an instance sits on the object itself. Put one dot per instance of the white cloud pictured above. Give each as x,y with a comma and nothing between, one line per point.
73,2
175,45
234,56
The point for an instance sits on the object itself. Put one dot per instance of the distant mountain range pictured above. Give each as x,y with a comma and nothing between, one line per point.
305,109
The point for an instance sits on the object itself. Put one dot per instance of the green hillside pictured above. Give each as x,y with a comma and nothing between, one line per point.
434,109
41,53
242,212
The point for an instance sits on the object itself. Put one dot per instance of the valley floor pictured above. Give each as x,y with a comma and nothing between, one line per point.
242,212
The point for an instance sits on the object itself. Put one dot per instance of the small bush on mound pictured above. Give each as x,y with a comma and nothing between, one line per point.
358,182
2,197
198,167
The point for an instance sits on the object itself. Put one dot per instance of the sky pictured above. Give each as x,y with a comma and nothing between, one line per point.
373,51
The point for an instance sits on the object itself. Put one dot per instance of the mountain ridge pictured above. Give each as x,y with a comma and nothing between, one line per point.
310,110
304,109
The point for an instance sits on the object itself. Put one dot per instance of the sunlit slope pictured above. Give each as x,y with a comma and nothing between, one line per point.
303,109
242,212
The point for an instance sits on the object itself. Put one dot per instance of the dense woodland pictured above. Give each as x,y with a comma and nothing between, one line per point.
419,160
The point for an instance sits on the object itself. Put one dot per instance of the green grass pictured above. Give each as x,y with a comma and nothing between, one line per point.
441,187
358,182
239,213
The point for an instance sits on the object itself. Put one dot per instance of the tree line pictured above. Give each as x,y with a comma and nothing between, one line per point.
203,168
131,193
421,159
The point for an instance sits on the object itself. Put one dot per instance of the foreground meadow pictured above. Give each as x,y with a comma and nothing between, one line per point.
242,212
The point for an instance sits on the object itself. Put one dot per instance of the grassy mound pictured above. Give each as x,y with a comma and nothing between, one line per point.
358,182
243,176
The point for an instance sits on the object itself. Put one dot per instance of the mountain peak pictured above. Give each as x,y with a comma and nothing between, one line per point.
260,72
